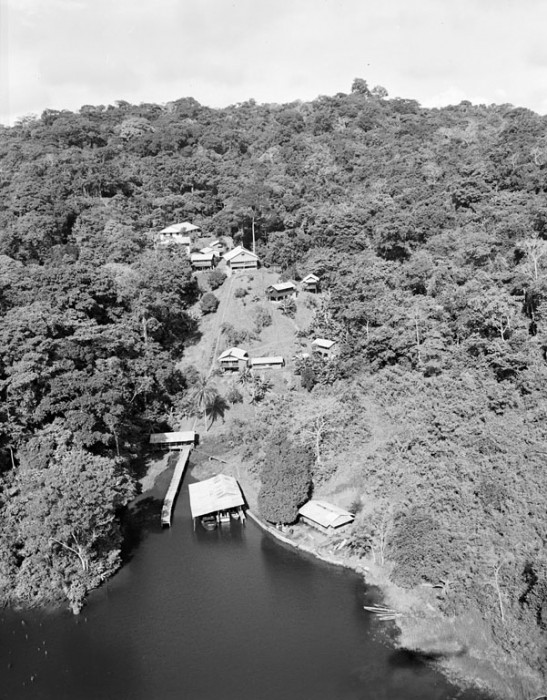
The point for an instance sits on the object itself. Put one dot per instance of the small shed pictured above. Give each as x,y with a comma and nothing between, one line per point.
208,250
310,283
219,494
240,259
282,290
324,347
324,516
173,441
233,359
267,362
203,261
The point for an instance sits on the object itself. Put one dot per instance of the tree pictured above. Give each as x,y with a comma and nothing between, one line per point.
209,303
285,479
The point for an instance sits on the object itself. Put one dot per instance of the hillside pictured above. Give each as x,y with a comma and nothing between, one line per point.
428,230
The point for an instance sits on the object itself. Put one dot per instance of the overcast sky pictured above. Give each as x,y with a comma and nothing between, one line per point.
62,54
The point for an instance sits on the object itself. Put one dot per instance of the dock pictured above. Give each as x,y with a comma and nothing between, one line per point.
174,486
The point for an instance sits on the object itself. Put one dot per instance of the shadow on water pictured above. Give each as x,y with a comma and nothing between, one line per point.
140,521
408,658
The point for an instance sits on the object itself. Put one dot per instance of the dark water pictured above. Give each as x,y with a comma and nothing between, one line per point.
227,615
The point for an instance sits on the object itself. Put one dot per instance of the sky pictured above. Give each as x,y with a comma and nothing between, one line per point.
62,54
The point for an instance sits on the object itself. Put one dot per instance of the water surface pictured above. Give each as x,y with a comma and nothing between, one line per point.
225,615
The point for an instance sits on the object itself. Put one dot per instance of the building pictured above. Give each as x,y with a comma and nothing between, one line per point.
209,250
324,516
267,362
233,359
216,496
324,347
240,259
283,290
203,261
173,441
310,283
179,234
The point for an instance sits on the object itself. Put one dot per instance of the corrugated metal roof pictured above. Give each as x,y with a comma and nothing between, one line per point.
184,227
219,493
168,438
236,353
326,514
230,255
276,360
324,343
202,257
282,286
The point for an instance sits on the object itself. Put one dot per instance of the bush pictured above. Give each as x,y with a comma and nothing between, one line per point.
209,303
216,278
288,307
240,292
263,318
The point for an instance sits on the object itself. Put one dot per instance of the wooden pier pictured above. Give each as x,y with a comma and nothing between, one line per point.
169,501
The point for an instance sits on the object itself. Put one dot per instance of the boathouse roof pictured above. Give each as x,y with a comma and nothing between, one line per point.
222,492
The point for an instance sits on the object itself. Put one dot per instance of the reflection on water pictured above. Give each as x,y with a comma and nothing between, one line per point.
221,615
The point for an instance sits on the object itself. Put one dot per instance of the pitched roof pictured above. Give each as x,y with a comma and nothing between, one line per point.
174,238
311,278
208,250
184,227
324,343
219,493
202,257
326,514
168,438
237,353
230,255
282,286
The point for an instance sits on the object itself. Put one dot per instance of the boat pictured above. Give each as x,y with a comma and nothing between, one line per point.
224,516
234,514
209,522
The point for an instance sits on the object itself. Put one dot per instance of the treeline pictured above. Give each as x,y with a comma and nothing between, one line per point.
428,228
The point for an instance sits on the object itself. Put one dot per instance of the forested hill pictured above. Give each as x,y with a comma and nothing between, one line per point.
428,228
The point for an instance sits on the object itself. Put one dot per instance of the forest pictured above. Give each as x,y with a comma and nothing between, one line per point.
428,229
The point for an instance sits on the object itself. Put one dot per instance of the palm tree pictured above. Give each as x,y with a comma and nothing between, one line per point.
202,394
216,408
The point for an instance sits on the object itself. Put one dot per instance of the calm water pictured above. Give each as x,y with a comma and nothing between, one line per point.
226,615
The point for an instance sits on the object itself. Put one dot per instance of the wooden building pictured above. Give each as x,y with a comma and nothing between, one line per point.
324,516
267,362
178,234
310,283
233,359
215,498
173,441
282,290
324,347
203,261
240,259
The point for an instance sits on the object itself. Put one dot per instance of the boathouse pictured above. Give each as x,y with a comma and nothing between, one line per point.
310,283
282,290
220,494
173,441
324,347
233,359
267,362
324,516
240,259
203,261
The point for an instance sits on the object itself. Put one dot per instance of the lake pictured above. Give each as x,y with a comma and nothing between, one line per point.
231,614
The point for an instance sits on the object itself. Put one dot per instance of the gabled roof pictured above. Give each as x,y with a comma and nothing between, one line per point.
282,286
174,238
311,278
238,251
219,493
184,227
202,257
326,514
236,353
168,438
208,250
324,343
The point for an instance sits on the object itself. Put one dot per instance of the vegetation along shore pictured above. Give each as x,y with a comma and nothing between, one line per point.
407,385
